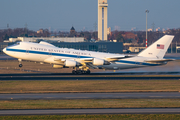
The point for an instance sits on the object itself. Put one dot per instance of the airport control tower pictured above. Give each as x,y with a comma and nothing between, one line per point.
102,19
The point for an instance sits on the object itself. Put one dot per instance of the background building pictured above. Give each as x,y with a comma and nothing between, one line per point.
49,39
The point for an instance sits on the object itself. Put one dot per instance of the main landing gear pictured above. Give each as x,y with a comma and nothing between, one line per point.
79,72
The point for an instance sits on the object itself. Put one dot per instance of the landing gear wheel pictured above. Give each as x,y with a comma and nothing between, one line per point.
74,72
20,65
88,72
79,72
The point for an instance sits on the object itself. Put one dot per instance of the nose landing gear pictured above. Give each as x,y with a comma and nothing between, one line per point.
20,60
20,65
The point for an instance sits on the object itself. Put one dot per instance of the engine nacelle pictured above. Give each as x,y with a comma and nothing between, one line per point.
70,63
97,61
57,66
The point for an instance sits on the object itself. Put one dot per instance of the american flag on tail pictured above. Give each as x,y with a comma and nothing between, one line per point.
160,46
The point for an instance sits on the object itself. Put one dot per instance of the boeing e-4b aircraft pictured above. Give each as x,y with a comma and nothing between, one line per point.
82,61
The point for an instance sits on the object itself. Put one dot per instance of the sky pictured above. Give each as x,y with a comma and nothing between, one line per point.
61,15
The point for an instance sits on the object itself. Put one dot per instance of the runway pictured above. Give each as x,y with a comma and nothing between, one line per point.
59,96
105,73
92,111
95,76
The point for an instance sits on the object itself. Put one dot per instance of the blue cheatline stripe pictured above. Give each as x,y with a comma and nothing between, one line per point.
137,63
15,50
47,53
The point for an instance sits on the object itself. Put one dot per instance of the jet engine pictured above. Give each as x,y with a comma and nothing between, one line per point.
97,61
70,63
57,66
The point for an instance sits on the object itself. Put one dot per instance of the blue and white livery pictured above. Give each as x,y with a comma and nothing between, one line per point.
82,61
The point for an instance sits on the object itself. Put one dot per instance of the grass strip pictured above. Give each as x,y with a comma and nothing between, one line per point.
96,117
89,103
89,86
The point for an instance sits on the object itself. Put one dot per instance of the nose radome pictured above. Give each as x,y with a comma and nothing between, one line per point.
4,50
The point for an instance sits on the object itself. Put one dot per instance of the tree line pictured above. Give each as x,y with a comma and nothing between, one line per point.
140,38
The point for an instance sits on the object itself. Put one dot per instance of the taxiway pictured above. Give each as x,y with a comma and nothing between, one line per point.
59,96
92,111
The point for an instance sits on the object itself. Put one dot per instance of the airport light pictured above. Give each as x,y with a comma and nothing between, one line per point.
147,11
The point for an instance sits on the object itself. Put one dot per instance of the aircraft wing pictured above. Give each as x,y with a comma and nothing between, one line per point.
115,58
85,62
59,59
91,66
91,62
108,59
81,60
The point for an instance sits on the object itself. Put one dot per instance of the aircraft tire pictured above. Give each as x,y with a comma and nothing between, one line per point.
88,72
79,72
20,65
74,72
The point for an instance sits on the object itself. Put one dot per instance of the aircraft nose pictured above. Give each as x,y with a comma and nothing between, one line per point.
4,50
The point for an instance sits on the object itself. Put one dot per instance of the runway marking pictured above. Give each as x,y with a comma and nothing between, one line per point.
155,96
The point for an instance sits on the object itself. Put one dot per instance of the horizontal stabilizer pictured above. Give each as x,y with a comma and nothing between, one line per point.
159,61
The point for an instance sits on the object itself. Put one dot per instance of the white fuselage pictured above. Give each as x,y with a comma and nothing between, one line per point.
47,53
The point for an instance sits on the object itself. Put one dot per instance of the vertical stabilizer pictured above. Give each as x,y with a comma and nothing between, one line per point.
158,48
